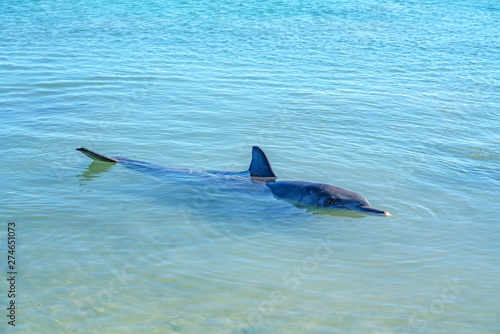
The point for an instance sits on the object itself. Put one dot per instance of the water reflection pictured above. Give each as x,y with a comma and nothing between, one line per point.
94,170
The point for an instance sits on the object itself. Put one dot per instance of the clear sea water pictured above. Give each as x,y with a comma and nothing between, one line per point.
397,100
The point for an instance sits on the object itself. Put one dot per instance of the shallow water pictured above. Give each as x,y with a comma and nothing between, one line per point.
397,100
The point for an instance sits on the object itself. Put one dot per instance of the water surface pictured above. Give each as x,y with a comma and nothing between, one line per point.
397,100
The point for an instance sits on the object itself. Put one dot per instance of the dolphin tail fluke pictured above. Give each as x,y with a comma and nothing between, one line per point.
96,156
260,166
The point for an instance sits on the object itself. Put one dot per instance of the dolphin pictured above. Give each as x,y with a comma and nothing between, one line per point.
260,171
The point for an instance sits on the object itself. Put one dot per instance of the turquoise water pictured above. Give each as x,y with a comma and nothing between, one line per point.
397,100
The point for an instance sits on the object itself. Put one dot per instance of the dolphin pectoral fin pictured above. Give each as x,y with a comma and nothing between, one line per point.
375,211
260,166
96,156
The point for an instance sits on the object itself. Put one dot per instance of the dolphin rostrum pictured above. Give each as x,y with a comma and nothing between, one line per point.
260,171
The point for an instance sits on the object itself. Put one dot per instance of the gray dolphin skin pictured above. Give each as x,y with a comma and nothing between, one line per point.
260,171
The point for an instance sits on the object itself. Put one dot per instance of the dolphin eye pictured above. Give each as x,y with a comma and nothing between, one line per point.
330,202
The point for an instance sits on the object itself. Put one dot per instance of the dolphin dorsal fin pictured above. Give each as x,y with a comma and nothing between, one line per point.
260,166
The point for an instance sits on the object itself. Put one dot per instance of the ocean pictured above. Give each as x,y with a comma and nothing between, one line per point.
397,100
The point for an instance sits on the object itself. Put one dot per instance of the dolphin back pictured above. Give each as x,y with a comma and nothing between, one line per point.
260,166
